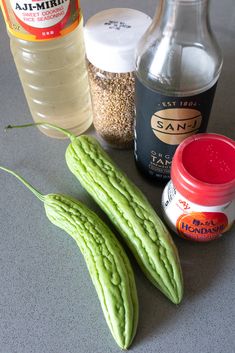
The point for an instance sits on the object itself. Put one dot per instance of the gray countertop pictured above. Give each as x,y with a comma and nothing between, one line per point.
47,301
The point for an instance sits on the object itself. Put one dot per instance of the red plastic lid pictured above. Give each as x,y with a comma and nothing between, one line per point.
203,169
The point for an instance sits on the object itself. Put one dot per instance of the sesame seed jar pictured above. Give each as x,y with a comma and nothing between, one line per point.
113,105
111,37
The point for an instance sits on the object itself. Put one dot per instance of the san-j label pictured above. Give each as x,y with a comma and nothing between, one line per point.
163,122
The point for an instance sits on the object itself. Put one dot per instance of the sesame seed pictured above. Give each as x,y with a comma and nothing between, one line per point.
113,105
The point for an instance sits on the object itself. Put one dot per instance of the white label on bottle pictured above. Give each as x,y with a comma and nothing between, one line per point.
40,14
37,20
193,221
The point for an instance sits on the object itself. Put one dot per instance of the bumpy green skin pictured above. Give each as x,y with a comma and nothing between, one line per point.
107,263
131,213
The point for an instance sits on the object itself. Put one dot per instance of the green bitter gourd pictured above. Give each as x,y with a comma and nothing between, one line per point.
108,264
128,209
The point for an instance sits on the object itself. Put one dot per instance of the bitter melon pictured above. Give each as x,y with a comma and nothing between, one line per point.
131,213
128,209
108,264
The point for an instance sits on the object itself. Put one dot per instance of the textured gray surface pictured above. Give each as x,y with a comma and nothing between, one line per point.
47,301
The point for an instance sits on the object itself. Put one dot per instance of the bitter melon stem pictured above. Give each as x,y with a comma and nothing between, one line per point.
29,186
69,134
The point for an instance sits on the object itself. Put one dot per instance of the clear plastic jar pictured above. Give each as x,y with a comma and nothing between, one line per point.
111,38
113,105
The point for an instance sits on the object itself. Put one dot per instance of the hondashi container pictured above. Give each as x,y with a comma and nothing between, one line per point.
199,201
111,37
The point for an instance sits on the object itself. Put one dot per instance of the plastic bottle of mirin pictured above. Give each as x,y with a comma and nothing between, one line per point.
46,40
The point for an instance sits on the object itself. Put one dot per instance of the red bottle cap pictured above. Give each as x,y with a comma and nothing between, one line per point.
203,169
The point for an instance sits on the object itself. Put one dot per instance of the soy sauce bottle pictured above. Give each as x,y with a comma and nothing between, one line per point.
178,64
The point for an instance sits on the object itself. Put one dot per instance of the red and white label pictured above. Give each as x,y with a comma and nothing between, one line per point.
193,221
40,14
202,226
41,19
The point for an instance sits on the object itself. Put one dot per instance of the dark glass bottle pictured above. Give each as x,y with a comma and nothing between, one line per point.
178,64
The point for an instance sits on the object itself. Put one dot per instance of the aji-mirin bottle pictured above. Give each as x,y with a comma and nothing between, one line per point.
46,39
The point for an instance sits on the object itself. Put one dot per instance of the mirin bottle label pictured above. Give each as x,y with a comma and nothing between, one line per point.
162,123
41,20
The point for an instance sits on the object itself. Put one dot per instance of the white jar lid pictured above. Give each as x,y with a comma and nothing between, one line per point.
111,37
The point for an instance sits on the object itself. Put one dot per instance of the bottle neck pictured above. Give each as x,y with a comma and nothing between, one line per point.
182,17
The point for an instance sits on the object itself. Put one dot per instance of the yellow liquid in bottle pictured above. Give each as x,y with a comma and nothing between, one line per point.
54,77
